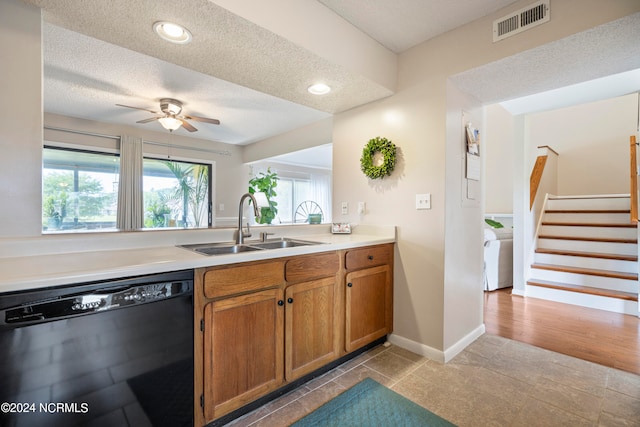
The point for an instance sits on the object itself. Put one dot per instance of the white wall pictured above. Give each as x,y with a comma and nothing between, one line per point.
21,119
463,285
415,120
313,135
592,141
497,148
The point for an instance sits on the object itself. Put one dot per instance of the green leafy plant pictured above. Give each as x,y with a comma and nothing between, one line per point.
387,149
191,191
494,224
266,183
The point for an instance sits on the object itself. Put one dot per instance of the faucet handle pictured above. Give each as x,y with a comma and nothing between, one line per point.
263,235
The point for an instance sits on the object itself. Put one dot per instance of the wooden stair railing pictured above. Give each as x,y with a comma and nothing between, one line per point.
633,175
536,177
536,174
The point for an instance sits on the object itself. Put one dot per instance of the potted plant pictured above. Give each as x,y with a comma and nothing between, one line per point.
49,209
55,217
265,183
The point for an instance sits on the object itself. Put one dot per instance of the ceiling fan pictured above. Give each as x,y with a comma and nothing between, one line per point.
170,117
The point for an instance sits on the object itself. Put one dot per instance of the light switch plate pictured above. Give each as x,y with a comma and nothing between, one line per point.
345,208
362,208
423,201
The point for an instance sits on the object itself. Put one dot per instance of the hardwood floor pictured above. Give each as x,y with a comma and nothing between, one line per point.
598,336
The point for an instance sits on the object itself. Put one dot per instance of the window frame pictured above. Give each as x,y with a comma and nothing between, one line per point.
210,163
87,149
93,149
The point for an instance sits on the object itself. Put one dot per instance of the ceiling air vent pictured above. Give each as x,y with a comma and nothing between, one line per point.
521,20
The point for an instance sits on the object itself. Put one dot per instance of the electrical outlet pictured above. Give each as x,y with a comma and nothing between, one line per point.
345,208
221,207
423,201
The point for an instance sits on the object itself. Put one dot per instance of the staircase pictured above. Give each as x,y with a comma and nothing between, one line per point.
587,254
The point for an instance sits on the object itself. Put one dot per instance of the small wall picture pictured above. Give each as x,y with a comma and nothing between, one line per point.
341,228
473,140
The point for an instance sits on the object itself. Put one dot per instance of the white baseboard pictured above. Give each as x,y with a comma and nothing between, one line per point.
519,292
453,351
435,354
416,347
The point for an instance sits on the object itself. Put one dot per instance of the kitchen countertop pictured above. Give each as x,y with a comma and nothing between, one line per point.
39,270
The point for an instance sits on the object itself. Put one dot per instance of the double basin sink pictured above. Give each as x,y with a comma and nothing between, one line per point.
232,248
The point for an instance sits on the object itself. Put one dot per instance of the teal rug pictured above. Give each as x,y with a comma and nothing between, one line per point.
369,404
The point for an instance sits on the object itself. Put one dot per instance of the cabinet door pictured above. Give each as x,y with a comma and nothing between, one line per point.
311,339
369,306
243,350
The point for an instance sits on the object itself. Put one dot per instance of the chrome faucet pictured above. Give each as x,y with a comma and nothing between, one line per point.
241,234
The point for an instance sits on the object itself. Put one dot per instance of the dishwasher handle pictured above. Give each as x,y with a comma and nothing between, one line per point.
96,301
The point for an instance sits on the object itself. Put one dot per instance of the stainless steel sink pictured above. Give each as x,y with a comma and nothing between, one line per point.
231,248
220,248
282,243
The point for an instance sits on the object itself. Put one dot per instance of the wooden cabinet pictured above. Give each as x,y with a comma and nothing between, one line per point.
312,314
242,350
239,334
261,325
255,323
369,295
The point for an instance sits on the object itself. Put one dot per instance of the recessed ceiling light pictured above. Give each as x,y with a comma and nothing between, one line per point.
319,89
171,32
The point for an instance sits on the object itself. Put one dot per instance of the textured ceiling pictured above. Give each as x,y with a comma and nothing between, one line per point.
85,77
602,51
399,25
99,53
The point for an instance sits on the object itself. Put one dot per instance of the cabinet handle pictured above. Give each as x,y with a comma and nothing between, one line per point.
280,302
290,300
349,284
370,257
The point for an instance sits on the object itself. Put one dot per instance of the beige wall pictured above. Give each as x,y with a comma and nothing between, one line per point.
21,119
497,149
428,292
592,141
427,296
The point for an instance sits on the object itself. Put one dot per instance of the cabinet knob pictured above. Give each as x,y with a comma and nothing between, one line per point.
290,300
280,302
370,257
349,284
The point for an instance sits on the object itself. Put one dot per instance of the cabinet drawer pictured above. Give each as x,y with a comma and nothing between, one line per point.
224,281
303,268
369,257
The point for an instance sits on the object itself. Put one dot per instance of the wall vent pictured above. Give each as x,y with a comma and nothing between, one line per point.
521,20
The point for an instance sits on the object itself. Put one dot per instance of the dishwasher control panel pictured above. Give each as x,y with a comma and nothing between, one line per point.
94,301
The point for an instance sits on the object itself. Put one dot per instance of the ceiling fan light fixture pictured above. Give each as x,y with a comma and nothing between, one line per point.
319,89
171,32
170,123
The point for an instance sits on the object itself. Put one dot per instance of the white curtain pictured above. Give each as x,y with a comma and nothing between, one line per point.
130,210
321,184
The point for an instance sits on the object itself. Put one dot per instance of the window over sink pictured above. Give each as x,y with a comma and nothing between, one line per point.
80,191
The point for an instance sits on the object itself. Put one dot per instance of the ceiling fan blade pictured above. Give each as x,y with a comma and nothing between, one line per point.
203,119
137,108
187,125
151,119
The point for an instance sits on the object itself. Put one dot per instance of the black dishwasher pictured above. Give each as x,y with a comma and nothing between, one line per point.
112,353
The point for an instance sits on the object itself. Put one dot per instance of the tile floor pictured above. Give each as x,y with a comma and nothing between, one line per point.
493,382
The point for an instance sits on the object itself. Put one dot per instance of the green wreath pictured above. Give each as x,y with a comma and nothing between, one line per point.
388,151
